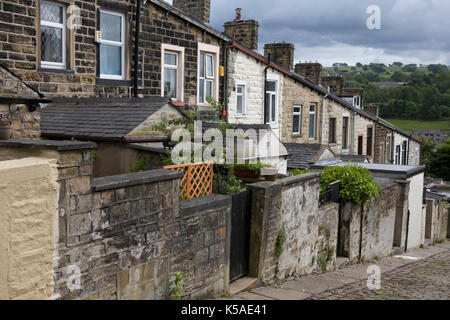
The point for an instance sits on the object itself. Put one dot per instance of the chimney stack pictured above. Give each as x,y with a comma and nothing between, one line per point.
245,31
373,108
335,83
197,8
312,71
282,53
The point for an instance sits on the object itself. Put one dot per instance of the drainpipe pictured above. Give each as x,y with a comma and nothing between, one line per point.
136,48
265,88
225,80
323,114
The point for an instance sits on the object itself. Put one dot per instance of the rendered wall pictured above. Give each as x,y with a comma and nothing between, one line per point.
416,215
28,198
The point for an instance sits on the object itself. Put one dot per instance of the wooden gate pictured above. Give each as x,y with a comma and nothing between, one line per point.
240,234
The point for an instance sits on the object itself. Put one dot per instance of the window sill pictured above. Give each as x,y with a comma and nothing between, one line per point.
113,82
296,135
55,70
240,116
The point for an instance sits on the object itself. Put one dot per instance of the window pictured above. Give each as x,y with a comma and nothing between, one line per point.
357,101
369,141
53,35
297,119
112,47
332,131
208,72
397,154
360,145
344,132
172,72
241,95
404,154
271,101
312,120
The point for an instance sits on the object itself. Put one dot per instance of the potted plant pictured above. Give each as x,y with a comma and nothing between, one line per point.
249,170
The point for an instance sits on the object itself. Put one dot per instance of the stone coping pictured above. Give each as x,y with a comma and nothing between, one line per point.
58,145
132,179
213,201
294,179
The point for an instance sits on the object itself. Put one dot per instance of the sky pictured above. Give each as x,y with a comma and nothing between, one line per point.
329,31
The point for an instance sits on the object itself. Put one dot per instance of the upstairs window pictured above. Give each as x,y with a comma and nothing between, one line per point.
206,77
53,35
241,99
297,119
332,131
312,120
344,132
369,141
271,101
172,66
208,73
112,47
357,101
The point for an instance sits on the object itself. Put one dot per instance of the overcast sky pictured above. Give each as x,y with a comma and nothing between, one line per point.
328,31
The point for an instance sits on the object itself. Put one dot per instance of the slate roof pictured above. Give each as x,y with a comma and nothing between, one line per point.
302,155
97,119
353,158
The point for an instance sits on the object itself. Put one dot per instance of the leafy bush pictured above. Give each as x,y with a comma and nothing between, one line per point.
225,182
141,164
296,172
357,183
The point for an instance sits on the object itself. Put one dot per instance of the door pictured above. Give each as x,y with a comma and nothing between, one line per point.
240,234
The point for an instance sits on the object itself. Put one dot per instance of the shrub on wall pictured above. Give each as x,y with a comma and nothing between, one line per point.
357,183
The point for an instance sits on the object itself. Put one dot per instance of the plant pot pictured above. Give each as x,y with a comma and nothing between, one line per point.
246,173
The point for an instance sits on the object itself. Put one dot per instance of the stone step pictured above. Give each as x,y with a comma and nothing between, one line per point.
243,284
341,262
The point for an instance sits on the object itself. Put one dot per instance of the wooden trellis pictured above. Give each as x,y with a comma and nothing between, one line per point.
197,180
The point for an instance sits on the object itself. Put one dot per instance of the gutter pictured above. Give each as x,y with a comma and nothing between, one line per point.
125,139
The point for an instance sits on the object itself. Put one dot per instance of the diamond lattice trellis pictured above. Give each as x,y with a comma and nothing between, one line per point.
197,179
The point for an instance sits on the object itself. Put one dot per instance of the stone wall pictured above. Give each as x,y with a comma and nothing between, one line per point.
367,230
383,135
20,48
124,237
290,207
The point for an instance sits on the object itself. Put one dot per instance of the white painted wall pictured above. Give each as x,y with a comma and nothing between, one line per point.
416,219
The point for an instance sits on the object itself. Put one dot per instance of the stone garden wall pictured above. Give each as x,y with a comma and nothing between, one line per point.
125,237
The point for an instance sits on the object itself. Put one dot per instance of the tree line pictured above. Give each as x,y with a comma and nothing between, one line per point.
425,94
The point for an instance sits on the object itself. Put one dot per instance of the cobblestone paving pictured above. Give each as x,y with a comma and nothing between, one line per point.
427,279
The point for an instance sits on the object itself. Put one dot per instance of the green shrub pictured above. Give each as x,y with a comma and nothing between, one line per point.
226,182
296,172
255,167
141,164
357,183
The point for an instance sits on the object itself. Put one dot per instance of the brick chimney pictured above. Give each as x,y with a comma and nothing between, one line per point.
373,108
310,70
245,31
336,84
198,8
282,53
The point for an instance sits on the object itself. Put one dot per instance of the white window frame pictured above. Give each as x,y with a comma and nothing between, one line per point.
115,43
62,26
357,101
168,48
299,114
213,51
315,120
276,79
244,98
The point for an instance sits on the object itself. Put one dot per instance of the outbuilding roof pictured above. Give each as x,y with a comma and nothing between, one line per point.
302,155
97,118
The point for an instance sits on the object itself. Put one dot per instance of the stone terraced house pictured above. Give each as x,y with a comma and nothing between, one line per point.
182,57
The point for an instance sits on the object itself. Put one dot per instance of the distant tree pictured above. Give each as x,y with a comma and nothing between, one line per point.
428,149
398,76
436,68
377,67
410,68
397,64
440,162
366,68
359,64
